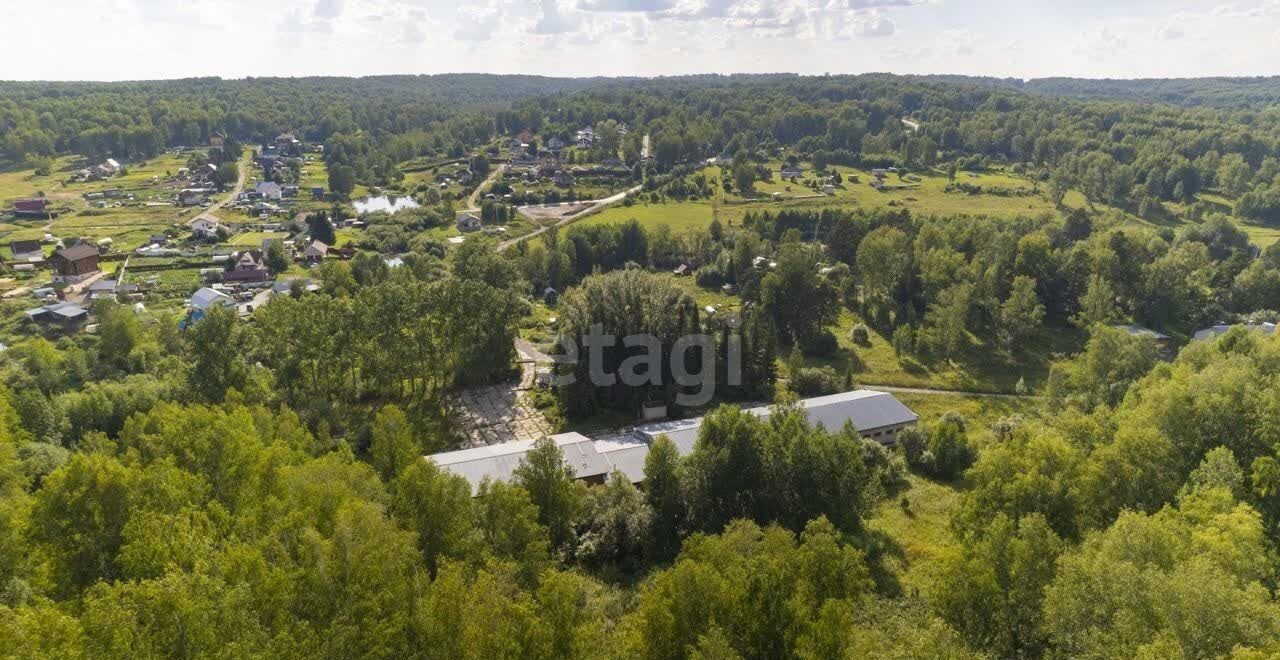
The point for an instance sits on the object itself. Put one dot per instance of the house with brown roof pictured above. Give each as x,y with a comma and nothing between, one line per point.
74,264
247,268
315,252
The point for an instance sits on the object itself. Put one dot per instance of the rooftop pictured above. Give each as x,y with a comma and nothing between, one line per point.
625,452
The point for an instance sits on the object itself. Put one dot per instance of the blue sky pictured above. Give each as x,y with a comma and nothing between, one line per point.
144,39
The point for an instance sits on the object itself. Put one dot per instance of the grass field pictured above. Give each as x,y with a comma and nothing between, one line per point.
255,238
914,540
1262,237
978,369
679,217
926,197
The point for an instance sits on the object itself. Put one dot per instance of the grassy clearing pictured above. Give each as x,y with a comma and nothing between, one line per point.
978,369
979,412
913,541
255,238
1260,236
916,539
926,197
680,217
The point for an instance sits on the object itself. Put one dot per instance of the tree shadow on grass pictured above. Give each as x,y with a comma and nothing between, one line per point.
881,549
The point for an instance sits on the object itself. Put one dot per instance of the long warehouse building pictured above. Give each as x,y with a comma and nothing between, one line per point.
876,415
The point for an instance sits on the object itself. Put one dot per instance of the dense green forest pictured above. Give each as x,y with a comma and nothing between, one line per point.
255,488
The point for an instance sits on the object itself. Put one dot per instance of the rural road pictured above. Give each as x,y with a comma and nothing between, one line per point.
925,390
473,202
596,206
243,166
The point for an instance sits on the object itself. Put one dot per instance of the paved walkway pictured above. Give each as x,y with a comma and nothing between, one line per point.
528,351
500,413
926,390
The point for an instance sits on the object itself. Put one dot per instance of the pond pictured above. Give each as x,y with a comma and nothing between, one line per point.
387,203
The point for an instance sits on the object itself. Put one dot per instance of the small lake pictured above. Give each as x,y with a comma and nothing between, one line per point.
385,203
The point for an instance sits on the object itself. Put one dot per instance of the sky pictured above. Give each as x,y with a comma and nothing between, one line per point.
153,39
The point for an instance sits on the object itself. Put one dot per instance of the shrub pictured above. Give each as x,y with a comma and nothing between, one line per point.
949,447
913,443
904,340
710,276
814,381
821,345
860,335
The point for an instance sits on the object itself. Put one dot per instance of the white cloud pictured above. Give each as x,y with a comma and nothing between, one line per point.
1103,40
626,5
476,23
958,42
553,20
882,4
1171,31
328,9
876,26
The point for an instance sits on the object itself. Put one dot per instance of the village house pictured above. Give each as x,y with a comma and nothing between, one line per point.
206,298
105,170
31,208
75,264
556,143
1161,341
269,190
247,269
193,197
681,270
315,252
27,251
468,222
103,290
70,317
205,225
792,172
563,179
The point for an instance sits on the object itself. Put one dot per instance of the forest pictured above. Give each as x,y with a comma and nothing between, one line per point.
257,488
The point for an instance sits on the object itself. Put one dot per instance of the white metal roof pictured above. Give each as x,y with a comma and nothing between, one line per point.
206,298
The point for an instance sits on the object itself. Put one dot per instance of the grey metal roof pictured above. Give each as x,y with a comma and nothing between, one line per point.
865,409
70,311
1140,331
498,462
626,452
1221,329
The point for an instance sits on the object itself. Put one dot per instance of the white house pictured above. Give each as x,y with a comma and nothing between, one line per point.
269,190
206,298
468,222
205,225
